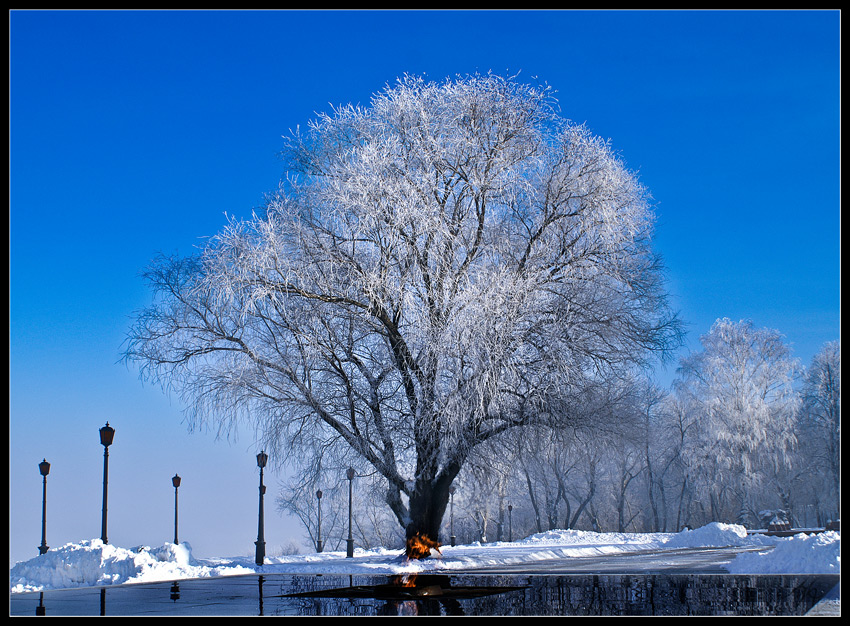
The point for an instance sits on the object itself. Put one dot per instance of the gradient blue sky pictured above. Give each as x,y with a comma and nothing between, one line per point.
134,132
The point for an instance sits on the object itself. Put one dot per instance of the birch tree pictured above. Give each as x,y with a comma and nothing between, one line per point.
454,261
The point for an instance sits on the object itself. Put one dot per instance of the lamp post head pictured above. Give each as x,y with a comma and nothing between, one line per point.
319,494
175,481
262,459
107,433
350,473
44,467
510,508
452,490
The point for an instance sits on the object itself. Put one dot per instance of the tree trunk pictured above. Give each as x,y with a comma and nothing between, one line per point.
583,504
533,501
567,513
428,504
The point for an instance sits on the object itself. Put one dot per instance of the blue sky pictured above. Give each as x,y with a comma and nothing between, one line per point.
133,132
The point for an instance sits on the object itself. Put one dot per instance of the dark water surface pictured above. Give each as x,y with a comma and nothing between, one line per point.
460,594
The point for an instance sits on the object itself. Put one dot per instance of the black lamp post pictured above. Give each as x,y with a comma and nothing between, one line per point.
319,531
176,482
44,468
107,433
262,459
350,543
510,524
452,538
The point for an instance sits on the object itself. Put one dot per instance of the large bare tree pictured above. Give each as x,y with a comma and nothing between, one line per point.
451,262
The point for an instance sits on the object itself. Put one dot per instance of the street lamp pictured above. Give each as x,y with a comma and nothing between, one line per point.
176,482
262,459
350,547
44,468
319,532
107,433
452,516
510,524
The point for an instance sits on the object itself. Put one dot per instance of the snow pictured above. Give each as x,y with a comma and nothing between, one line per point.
800,554
716,534
93,563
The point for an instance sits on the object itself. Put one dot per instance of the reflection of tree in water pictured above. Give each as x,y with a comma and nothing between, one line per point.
639,594
426,605
411,594
450,595
643,594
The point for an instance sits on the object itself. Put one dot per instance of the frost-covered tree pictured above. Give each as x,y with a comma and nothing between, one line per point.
659,446
678,425
820,419
547,462
739,392
452,262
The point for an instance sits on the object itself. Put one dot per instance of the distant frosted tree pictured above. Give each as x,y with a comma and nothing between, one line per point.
739,390
658,444
821,419
452,262
679,427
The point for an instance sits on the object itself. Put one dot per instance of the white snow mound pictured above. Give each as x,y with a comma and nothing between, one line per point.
94,563
801,554
716,535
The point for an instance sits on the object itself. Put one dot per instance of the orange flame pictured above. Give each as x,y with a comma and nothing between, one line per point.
419,546
404,580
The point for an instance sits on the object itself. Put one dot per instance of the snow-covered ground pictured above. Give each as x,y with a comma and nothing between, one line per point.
93,563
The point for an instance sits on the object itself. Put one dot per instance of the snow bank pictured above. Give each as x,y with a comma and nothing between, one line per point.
586,537
717,535
93,563
801,554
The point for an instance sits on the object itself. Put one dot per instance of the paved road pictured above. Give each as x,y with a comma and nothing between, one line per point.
681,561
